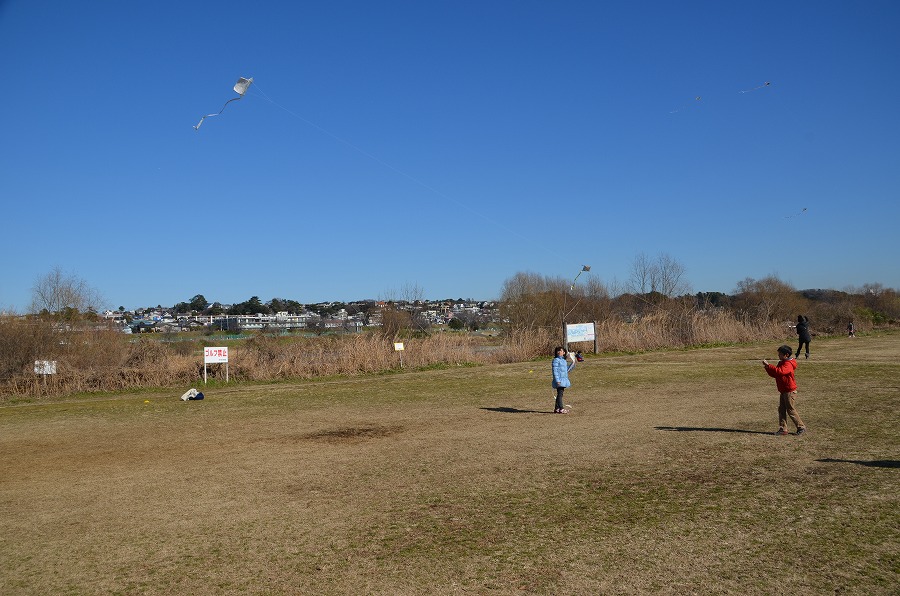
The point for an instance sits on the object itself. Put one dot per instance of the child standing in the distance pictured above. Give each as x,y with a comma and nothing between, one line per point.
783,373
851,330
561,370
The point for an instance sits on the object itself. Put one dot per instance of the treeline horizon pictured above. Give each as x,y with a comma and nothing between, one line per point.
533,311
652,281
255,305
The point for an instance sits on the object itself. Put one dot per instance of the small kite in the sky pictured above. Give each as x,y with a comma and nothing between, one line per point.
685,105
583,269
240,88
766,84
801,212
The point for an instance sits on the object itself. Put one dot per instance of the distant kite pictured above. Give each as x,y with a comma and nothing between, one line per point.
685,105
766,84
801,212
240,88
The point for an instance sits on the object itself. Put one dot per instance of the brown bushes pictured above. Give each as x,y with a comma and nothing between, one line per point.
21,343
267,358
667,329
110,361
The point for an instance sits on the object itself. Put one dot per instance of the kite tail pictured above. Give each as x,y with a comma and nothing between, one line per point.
574,280
228,102
217,113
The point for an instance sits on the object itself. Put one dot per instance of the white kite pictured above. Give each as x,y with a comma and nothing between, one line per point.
240,88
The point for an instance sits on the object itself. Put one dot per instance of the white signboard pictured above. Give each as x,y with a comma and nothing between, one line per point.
45,367
215,355
398,347
580,332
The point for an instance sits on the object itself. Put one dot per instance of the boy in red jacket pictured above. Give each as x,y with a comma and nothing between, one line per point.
783,372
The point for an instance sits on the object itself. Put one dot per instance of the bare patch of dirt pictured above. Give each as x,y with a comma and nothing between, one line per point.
353,434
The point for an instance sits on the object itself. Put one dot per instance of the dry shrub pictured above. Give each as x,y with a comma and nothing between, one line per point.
366,354
148,362
266,358
668,329
21,343
442,348
87,360
110,361
521,345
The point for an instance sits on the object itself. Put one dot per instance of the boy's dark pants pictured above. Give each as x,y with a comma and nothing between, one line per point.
786,408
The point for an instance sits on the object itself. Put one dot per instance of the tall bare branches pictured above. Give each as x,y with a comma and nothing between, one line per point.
63,295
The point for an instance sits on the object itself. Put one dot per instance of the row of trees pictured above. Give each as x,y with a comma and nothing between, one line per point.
530,300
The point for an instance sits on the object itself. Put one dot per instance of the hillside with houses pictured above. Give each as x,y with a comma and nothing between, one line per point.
317,318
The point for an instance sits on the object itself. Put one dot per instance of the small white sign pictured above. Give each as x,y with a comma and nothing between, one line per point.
398,347
580,332
215,355
45,367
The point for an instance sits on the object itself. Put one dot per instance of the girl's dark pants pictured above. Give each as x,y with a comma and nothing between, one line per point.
559,397
800,345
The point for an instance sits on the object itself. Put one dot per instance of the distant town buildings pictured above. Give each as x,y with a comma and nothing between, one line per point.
351,317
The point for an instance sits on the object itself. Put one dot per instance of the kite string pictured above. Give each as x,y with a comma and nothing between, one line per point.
799,213
766,84
385,164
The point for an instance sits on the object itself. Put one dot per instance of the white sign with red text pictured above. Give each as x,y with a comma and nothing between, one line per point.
215,355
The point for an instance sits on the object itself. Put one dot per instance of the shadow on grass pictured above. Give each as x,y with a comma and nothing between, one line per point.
876,463
712,430
516,411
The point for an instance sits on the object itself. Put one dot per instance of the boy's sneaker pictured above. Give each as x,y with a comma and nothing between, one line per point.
781,432
562,411
800,431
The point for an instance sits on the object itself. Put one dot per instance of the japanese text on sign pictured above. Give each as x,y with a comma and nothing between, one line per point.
212,355
580,332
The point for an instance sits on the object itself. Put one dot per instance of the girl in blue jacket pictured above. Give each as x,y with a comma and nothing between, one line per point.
561,370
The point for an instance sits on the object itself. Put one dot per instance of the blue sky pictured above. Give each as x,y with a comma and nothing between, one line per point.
444,145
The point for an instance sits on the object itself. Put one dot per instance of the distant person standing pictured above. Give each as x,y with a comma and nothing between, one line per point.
561,369
851,330
783,373
803,334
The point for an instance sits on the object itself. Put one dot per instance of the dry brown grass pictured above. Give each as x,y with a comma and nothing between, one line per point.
664,479
92,361
667,329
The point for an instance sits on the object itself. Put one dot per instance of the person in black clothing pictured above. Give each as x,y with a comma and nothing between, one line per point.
803,334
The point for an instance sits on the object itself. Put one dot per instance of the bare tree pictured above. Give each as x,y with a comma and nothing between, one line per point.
663,275
597,304
669,277
65,296
531,300
414,296
641,279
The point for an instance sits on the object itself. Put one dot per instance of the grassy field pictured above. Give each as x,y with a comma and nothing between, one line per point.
664,478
